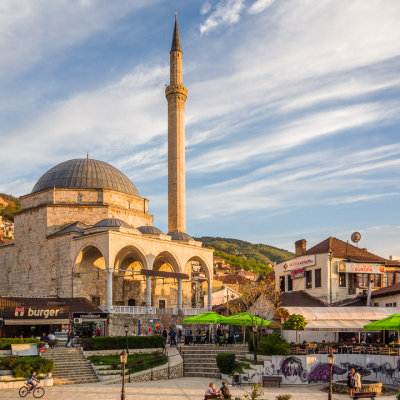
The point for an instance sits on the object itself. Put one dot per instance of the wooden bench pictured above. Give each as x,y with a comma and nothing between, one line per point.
271,379
364,395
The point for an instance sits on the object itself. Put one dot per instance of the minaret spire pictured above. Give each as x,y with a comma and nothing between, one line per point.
176,95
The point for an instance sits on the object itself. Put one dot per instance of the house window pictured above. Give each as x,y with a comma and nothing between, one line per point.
282,283
318,277
394,304
376,304
289,283
342,279
308,279
378,280
390,278
131,302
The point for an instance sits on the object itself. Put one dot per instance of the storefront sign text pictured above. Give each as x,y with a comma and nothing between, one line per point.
30,312
361,268
299,262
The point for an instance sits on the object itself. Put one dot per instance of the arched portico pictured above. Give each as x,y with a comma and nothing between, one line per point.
128,283
90,275
199,272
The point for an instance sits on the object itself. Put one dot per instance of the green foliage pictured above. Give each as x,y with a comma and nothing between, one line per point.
22,366
119,342
5,343
250,344
273,345
8,212
246,255
295,322
255,393
226,362
284,396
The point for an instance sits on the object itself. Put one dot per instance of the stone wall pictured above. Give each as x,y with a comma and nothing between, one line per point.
157,375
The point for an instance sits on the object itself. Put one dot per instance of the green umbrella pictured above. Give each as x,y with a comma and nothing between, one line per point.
391,323
208,317
245,319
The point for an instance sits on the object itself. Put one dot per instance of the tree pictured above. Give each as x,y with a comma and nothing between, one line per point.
259,299
295,322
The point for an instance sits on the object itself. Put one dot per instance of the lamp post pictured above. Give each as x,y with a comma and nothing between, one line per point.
124,359
331,361
126,328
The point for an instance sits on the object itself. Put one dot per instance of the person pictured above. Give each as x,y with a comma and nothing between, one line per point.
32,380
172,335
97,333
44,338
165,334
52,340
351,381
210,391
179,335
71,338
357,382
224,391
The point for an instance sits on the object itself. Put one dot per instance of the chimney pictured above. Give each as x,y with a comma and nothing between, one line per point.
300,246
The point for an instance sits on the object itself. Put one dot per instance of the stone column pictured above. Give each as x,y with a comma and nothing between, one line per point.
148,291
110,290
209,295
179,294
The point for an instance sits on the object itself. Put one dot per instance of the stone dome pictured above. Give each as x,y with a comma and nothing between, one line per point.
180,236
111,223
84,173
150,230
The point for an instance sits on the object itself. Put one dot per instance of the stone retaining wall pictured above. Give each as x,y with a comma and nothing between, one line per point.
18,384
114,352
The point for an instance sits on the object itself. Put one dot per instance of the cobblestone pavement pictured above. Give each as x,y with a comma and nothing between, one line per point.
176,389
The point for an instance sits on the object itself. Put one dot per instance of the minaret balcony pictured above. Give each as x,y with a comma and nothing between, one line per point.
175,89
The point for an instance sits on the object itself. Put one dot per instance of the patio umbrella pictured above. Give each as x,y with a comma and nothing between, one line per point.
209,317
245,319
391,323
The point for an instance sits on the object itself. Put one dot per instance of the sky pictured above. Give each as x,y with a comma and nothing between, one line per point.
292,116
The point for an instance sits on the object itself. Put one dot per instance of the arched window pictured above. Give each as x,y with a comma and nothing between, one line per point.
53,272
79,198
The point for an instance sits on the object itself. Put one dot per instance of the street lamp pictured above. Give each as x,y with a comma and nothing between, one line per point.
331,361
124,359
126,327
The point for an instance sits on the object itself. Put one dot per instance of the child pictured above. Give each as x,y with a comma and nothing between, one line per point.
32,380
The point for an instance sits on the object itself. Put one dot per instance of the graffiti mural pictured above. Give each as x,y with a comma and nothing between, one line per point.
315,368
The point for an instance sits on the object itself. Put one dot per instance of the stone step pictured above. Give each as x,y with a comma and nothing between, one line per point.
194,369
202,375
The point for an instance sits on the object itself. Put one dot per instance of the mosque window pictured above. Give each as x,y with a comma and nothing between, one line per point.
54,272
79,198
128,204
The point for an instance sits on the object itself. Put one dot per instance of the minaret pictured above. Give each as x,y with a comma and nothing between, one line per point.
176,95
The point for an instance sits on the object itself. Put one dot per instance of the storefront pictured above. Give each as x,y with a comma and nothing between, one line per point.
89,324
31,317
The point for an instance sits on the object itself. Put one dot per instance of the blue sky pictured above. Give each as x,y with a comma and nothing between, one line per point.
292,116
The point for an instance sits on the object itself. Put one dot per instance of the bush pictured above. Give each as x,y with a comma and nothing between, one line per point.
22,366
119,342
273,345
284,396
226,362
5,343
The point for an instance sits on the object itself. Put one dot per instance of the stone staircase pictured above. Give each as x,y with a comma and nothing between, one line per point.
200,361
70,366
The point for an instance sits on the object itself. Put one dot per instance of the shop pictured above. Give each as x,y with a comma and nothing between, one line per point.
31,317
89,324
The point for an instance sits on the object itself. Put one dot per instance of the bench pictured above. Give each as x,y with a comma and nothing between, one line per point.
364,395
271,379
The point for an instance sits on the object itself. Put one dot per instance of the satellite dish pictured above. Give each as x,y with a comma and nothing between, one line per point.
355,237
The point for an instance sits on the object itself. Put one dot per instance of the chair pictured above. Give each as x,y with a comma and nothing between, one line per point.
301,350
356,350
384,351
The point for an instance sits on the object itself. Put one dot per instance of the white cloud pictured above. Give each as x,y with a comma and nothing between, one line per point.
227,12
259,6
205,8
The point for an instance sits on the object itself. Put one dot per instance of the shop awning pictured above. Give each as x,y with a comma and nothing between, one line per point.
336,326
36,321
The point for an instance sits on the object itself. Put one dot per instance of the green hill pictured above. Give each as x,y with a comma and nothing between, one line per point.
246,255
7,212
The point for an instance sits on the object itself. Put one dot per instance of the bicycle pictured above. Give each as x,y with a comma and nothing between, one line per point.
37,391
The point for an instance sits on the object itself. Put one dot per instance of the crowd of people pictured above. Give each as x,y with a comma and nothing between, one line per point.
223,392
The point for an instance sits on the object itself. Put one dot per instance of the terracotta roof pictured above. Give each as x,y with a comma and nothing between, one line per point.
386,291
232,279
300,299
341,249
248,273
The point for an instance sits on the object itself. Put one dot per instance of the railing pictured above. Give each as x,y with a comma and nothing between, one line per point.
160,311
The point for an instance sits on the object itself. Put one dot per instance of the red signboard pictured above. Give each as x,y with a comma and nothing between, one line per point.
297,273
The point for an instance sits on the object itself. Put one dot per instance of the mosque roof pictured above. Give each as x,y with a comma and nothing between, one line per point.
85,173
112,223
180,236
74,227
150,230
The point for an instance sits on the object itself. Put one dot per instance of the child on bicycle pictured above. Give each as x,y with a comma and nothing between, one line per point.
32,380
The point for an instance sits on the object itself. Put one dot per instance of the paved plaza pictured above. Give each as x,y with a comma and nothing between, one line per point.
176,389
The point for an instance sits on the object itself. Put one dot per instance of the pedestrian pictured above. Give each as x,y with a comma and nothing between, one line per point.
179,335
224,391
172,335
351,382
165,334
357,383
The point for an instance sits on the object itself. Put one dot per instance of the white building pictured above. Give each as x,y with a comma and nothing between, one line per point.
334,270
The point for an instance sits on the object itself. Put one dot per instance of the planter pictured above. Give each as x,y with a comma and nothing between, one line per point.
366,386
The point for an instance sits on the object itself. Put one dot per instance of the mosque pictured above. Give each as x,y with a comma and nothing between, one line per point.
85,232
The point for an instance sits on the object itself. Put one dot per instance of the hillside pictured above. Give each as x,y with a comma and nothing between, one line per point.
246,255
9,205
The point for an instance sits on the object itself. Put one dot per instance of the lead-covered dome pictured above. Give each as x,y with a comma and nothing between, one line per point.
85,173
